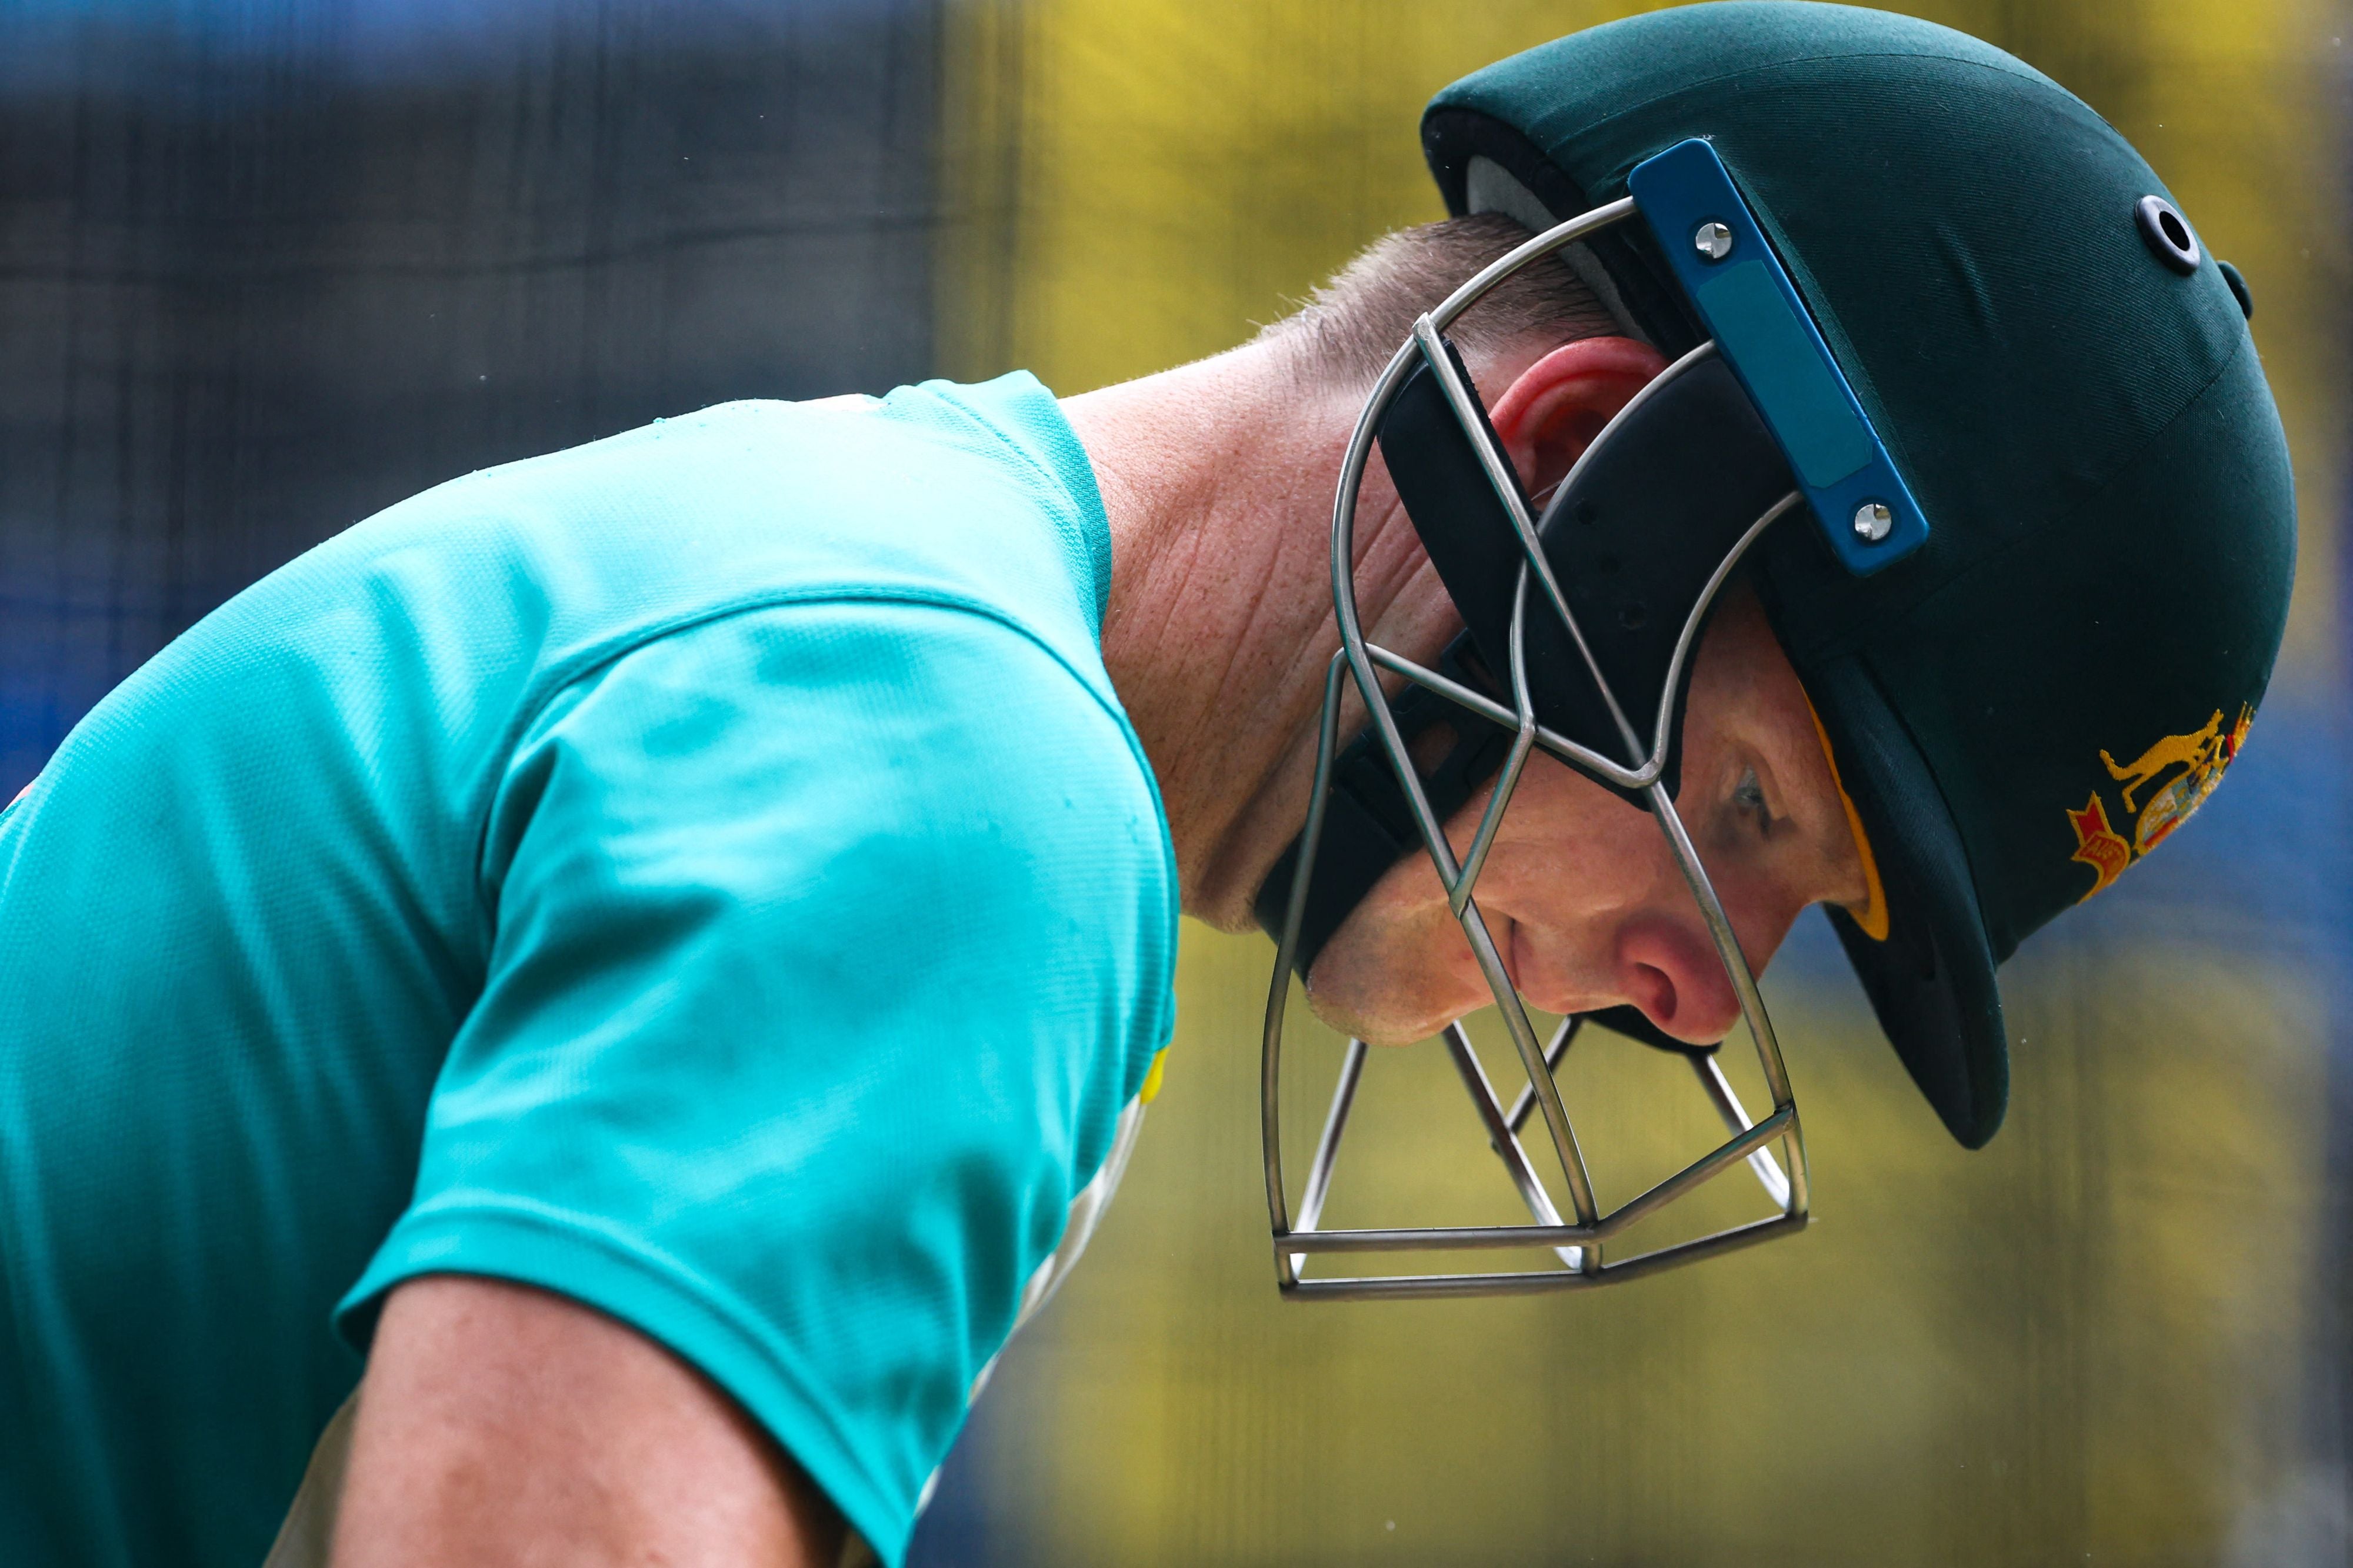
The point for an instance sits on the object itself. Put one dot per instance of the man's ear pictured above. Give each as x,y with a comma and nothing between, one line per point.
1552,411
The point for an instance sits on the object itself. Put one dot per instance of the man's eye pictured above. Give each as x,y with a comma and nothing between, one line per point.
1749,796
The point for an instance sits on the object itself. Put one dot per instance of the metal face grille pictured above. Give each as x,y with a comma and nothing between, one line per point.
1577,1242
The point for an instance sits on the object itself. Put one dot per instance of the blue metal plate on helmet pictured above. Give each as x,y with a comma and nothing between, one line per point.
1761,327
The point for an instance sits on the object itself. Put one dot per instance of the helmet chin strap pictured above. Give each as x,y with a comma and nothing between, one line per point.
1634,534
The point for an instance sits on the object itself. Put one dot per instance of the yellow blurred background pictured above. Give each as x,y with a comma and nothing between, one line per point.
2110,1337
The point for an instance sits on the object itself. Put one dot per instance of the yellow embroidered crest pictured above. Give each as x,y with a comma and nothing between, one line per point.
2189,765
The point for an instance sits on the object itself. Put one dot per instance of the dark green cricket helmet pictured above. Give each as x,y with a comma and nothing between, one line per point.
2051,684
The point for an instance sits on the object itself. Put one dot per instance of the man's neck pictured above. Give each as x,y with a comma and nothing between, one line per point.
1218,477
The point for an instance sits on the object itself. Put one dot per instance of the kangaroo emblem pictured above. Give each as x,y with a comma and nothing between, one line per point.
2195,751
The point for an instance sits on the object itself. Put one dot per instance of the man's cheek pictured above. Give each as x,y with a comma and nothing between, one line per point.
1393,977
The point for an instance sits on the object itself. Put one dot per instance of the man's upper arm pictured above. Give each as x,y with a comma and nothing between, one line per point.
499,1423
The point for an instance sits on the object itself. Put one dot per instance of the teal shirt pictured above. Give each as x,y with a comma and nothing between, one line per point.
706,873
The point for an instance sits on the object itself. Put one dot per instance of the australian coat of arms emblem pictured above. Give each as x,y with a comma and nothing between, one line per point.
2162,788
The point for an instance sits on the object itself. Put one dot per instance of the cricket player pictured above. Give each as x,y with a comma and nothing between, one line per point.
569,1023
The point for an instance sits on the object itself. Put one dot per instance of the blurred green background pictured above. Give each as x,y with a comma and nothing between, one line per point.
268,265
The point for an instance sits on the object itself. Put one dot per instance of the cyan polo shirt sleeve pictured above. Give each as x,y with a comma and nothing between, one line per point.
830,939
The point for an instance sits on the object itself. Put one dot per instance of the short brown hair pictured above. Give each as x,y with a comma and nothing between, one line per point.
1348,328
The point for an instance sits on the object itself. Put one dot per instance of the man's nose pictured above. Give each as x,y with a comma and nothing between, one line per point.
1670,970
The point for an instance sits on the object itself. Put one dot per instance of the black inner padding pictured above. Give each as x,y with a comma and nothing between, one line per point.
1368,825
1632,541
1632,544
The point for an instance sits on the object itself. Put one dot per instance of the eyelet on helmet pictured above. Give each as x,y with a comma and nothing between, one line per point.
2168,233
